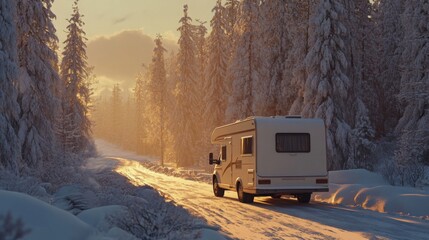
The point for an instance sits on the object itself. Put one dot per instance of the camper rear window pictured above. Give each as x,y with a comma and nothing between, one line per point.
247,145
293,142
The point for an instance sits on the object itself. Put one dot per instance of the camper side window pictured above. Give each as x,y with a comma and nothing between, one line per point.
247,145
293,142
223,153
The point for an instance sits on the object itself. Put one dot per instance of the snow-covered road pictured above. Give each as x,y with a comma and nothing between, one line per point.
268,218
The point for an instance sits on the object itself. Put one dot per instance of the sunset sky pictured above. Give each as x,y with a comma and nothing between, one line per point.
120,33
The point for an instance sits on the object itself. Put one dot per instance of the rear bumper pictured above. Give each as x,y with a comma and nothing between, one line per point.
268,192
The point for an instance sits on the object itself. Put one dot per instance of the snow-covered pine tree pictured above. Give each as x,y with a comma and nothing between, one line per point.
139,96
38,81
186,90
248,70
115,114
231,14
10,150
171,106
390,77
414,91
277,45
300,31
216,94
327,86
362,76
75,74
158,90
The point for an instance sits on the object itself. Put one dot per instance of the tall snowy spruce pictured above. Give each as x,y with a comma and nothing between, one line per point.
277,45
390,76
158,90
10,154
76,134
186,93
327,86
248,70
414,92
216,92
38,81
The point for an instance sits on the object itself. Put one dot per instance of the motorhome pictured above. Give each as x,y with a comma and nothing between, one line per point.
270,156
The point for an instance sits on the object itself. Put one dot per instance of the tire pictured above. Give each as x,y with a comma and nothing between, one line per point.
304,198
276,196
218,192
242,196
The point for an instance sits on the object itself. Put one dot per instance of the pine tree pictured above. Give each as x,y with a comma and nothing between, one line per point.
414,91
248,70
300,33
75,74
390,77
39,82
186,93
231,14
216,92
115,113
139,96
10,152
278,45
158,90
327,86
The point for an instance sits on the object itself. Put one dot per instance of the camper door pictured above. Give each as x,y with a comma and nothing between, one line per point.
226,163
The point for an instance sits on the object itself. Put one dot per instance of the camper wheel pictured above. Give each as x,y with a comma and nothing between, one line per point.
242,196
304,198
218,192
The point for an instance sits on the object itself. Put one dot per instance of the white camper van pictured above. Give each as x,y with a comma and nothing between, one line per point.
270,156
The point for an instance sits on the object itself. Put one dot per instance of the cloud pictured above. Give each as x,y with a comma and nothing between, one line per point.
119,57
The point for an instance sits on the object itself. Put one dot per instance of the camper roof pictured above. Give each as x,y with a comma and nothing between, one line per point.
220,133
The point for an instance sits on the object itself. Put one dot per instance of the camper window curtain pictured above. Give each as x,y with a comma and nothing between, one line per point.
293,142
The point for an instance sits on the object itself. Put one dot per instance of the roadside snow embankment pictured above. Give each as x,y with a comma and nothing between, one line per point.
370,191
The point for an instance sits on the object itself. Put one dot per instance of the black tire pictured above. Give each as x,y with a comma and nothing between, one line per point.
304,198
242,196
218,192
276,196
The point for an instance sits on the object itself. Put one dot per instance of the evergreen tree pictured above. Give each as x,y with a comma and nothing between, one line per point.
300,32
75,74
216,93
115,113
248,70
158,90
10,154
39,83
278,45
414,91
139,96
186,93
327,86
390,76
231,14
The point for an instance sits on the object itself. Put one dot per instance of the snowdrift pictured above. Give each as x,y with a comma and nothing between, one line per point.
370,191
41,219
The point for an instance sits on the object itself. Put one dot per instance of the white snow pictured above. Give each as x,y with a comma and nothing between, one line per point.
370,191
43,220
97,217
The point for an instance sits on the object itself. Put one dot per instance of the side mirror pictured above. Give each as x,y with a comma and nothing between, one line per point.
211,160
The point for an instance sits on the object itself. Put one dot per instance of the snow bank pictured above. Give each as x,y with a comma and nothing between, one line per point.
43,220
97,217
370,191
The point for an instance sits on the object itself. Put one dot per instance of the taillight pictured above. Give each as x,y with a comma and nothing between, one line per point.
264,181
322,181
